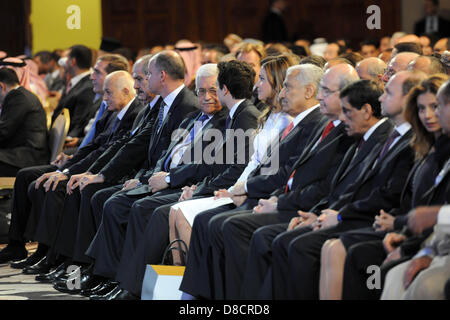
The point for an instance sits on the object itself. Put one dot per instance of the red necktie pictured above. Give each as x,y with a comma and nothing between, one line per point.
327,130
287,130
286,189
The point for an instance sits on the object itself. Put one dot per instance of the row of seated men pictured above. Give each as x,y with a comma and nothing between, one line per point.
331,157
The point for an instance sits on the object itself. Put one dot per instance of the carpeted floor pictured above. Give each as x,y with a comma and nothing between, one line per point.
14,285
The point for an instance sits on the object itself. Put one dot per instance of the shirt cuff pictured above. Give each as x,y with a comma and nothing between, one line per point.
427,251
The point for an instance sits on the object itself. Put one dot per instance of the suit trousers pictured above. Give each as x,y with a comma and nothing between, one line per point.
22,225
303,262
89,217
256,282
197,275
359,257
146,240
107,246
51,204
237,235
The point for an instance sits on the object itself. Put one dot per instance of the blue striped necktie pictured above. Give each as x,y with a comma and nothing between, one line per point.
91,133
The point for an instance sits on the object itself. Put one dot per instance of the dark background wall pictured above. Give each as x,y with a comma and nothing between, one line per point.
144,23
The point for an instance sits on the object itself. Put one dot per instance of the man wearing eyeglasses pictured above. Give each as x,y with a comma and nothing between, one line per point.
399,63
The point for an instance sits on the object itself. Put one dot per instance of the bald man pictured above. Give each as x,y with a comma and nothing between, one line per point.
399,63
371,69
427,64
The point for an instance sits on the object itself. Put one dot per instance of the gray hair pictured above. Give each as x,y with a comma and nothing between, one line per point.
144,60
307,74
375,69
205,71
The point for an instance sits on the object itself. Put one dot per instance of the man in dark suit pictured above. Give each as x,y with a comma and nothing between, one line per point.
238,77
23,130
166,72
297,256
309,185
432,23
121,99
299,102
273,26
78,94
23,214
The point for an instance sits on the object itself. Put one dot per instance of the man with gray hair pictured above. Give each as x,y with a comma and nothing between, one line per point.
371,69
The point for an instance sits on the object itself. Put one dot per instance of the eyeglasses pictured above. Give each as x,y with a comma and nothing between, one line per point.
202,92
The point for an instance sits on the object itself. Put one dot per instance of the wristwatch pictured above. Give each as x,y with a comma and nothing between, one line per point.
167,178
66,172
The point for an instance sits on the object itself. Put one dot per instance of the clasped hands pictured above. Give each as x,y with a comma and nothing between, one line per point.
328,218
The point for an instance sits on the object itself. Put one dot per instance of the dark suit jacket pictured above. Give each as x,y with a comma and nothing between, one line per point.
87,155
220,174
343,182
310,182
23,130
381,187
216,122
181,173
115,163
291,148
443,27
79,101
185,103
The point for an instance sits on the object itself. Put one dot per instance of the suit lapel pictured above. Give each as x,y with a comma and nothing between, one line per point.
438,181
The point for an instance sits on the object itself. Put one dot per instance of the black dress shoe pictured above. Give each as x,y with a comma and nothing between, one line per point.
101,289
125,295
49,277
87,281
10,253
31,260
107,296
41,267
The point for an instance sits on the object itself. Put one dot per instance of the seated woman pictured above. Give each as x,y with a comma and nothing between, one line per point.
420,113
272,122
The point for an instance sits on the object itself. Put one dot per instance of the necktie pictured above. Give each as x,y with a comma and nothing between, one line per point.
161,115
287,130
228,122
290,180
192,134
115,125
394,135
68,87
91,133
327,130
